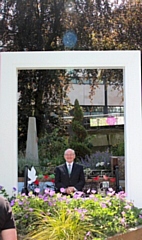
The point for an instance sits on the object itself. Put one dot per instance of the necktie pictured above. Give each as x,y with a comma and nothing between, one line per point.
69,169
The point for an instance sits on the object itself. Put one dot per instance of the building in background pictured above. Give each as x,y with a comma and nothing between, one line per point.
103,115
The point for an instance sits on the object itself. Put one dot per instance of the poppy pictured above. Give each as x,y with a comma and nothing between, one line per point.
96,178
36,182
46,176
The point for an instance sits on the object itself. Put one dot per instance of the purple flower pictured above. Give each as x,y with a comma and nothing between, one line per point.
91,196
111,193
1,187
52,193
88,234
123,213
103,205
45,199
23,194
37,190
47,190
127,207
31,209
21,203
62,190
93,191
122,220
78,194
14,189
12,203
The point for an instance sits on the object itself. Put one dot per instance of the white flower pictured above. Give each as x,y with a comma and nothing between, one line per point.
101,163
97,164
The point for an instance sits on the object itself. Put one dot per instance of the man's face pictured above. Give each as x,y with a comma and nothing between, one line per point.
69,156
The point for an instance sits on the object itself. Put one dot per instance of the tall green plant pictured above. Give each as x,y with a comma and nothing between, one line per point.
79,135
63,225
79,132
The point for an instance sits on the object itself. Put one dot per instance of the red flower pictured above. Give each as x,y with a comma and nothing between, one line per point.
46,176
112,179
96,178
53,180
36,182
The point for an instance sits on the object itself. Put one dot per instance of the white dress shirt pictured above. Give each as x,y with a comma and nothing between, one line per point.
69,166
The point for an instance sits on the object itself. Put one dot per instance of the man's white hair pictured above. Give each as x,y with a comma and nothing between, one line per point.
69,149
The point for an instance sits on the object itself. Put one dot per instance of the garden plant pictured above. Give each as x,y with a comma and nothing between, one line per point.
57,216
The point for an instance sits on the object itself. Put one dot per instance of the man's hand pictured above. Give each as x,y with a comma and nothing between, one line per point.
70,190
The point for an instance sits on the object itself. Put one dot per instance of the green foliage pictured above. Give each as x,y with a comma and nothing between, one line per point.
4,193
53,216
64,224
52,147
22,162
78,113
56,216
115,27
79,130
118,149
81,149
77,140
51,154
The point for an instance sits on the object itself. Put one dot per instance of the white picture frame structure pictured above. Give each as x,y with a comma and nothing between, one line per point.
129,61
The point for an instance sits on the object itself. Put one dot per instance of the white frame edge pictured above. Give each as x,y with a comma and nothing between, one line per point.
129,61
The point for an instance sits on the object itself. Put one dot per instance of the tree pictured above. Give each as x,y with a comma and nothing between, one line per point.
79,133
35,25
41,96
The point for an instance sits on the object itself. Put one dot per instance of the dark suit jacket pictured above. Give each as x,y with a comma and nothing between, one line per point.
63,180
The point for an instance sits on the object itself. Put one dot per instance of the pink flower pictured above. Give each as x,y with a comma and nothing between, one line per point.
105,177
62,190
37,190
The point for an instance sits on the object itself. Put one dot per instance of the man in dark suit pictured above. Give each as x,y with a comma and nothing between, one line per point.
69,177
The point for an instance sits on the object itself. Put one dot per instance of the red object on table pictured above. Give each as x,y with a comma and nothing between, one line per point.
112,179
96,178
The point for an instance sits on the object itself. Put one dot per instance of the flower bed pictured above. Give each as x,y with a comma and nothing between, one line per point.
57,216
132,234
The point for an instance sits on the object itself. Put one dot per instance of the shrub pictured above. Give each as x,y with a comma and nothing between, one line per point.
78,138
81,150
118,149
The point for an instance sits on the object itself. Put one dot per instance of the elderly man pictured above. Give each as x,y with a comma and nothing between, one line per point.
69,176
7,225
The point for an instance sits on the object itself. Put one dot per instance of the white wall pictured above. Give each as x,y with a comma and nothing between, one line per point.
81,92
